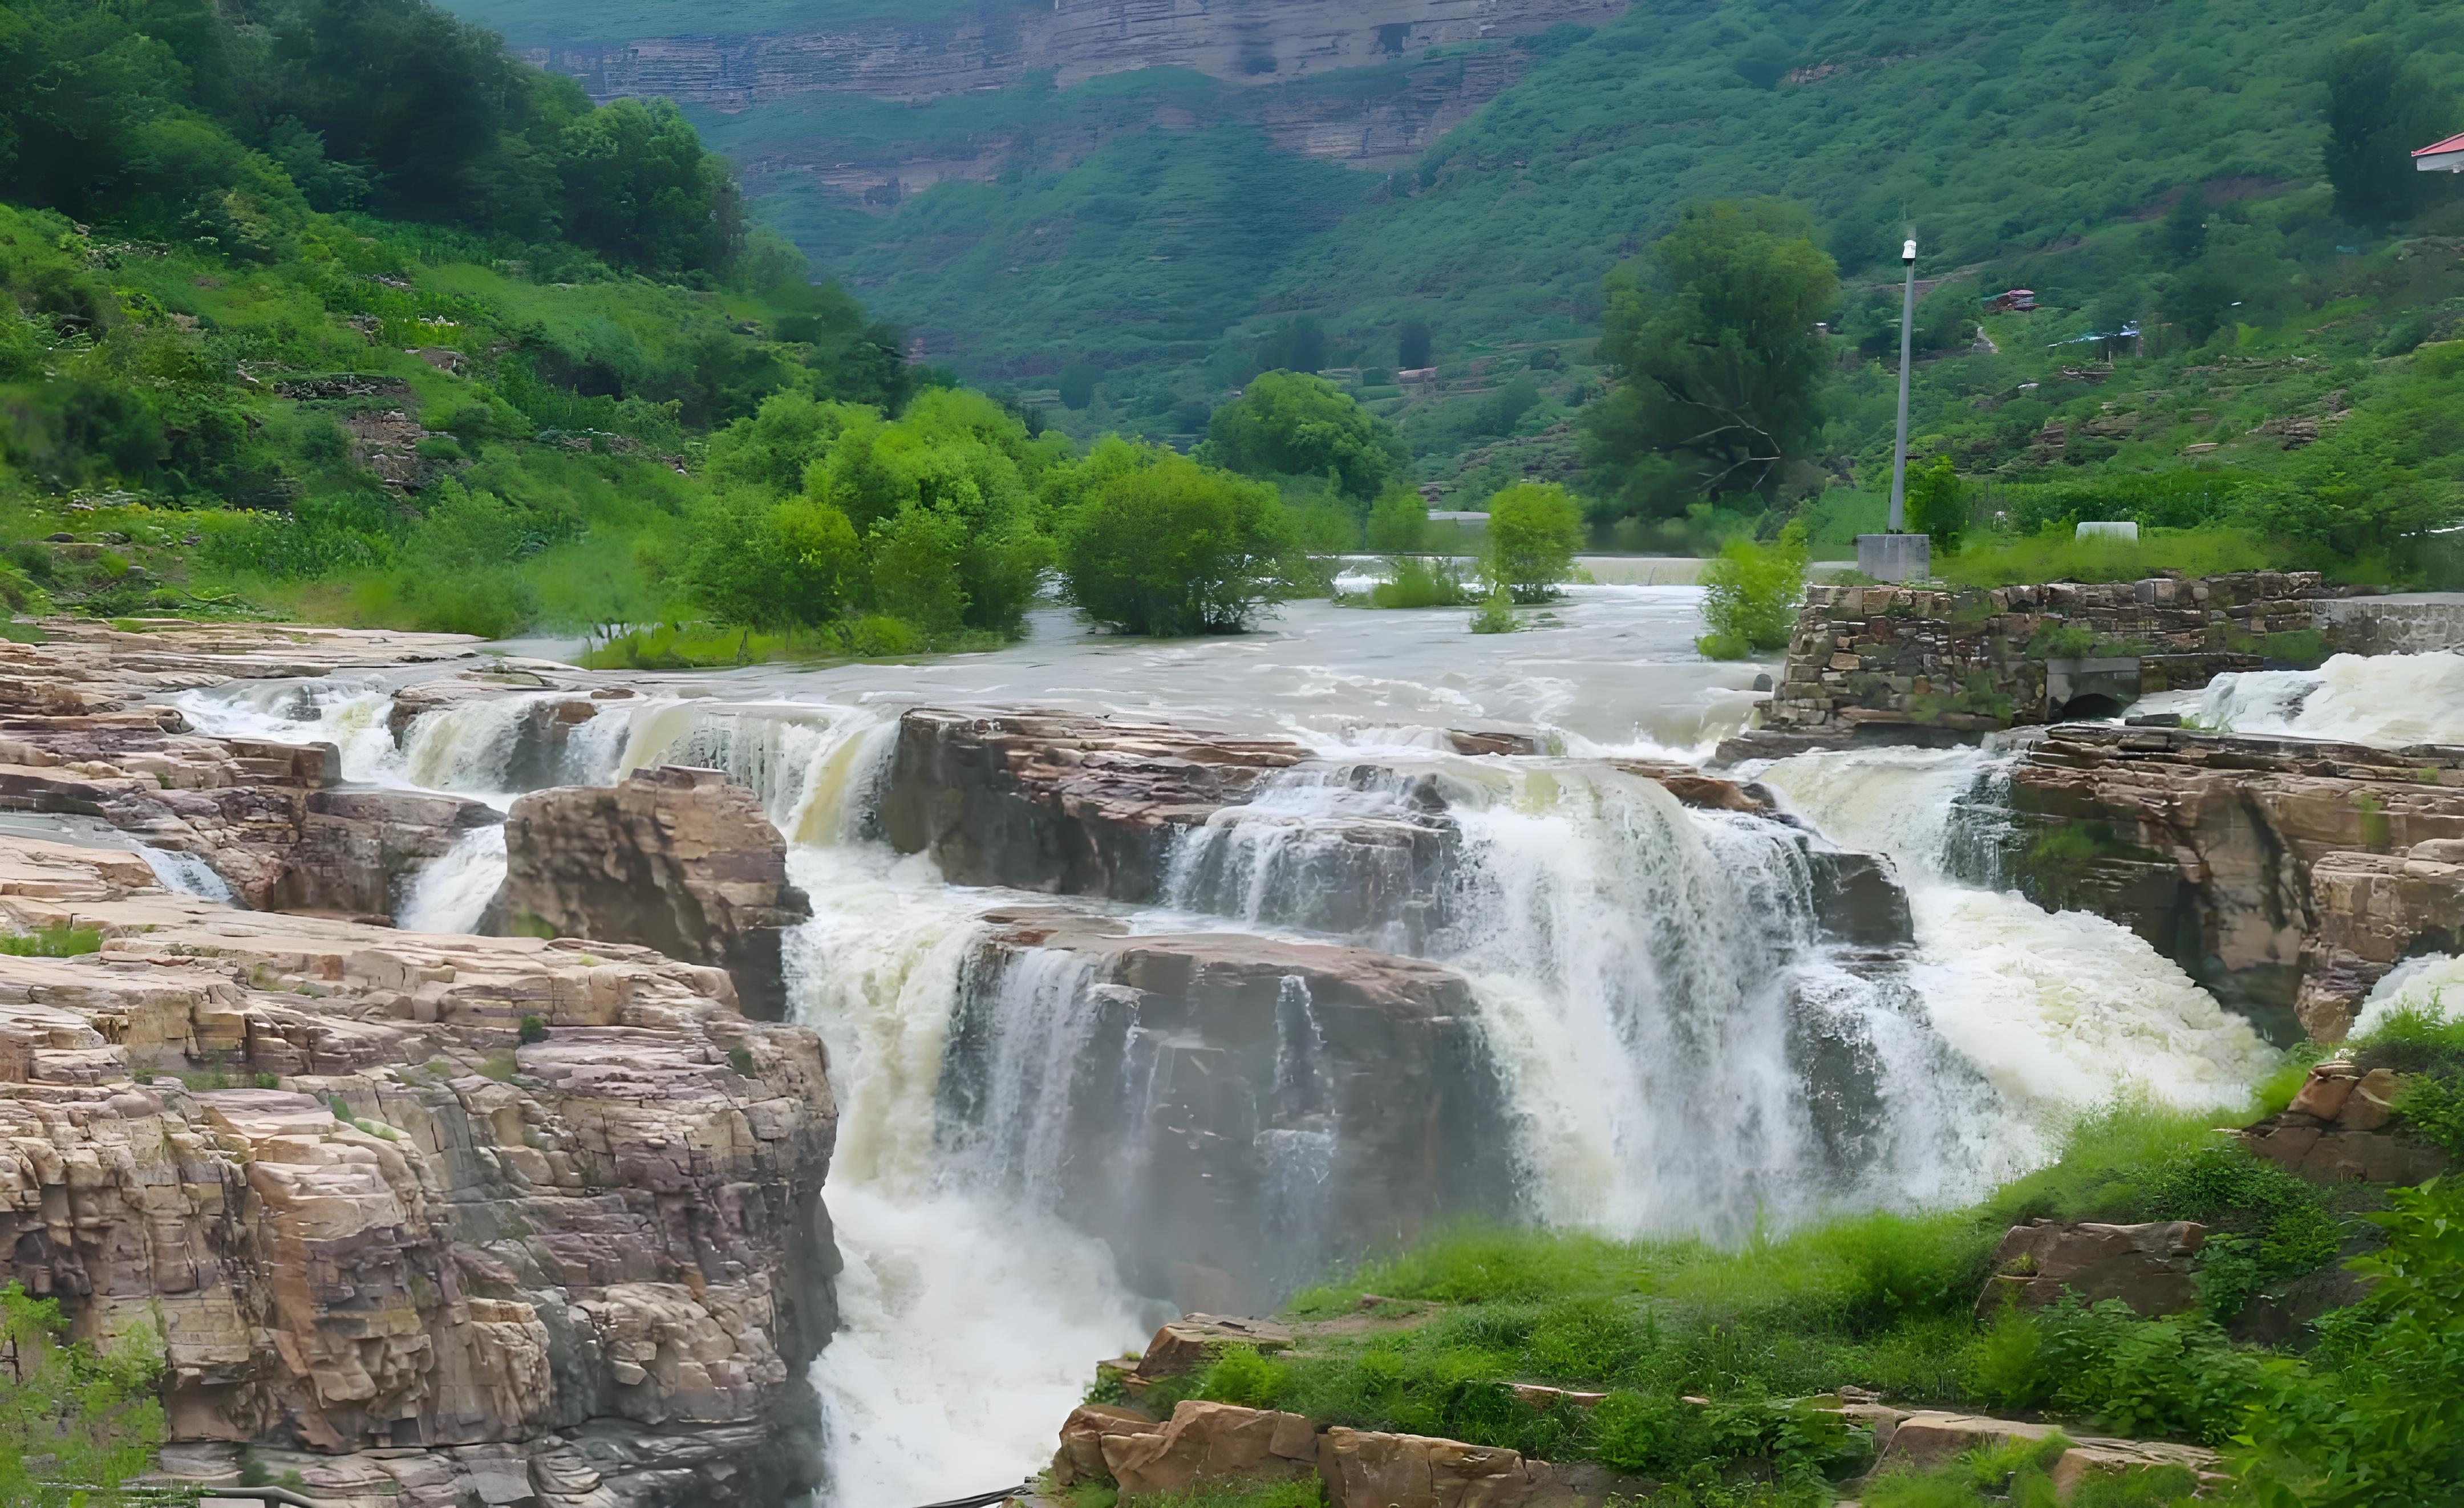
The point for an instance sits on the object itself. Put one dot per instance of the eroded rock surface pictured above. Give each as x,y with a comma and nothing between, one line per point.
2344,1125
674,859
366,1215
2153,1268
2281,873
1234,1114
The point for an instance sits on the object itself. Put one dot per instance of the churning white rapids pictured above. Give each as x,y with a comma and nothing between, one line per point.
1634,962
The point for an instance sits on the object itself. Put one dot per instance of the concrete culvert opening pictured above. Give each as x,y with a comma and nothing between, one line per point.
2093,707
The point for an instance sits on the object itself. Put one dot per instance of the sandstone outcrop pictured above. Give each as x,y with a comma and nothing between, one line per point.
672,858
1233,1114
363,1216
2153,1268
2279,872
1934,1438
1059,802
2338,1129
1075,805
264,816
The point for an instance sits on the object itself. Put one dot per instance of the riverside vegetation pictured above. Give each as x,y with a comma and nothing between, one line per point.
1703,1353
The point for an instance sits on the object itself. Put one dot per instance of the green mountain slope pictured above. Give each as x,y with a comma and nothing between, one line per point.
1997,130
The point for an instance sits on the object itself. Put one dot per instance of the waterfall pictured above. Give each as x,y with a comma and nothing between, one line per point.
450,893
2060,1011
2431,984
187,874
2389,700
811,764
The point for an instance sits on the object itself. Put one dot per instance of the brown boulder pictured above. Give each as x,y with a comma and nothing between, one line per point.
2337,1131
2152,1268
672,858
1365,1469
1188,1343
1081,1456
1208,1441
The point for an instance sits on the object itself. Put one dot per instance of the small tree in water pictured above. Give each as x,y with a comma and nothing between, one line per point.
76,1424
1750,595
1533,530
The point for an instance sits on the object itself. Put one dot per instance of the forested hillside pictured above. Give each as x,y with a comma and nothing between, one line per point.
1152,232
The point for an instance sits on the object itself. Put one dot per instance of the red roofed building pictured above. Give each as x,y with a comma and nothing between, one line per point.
2441,157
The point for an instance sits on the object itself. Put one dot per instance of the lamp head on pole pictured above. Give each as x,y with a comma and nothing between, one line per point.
1908,253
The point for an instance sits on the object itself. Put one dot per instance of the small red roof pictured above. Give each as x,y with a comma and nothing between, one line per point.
2453,143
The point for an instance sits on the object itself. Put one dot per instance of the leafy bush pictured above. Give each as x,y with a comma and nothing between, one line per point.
1290,423
1937,504
1496,613
1750,595
1418,581
76,1424
1534,530
1160,544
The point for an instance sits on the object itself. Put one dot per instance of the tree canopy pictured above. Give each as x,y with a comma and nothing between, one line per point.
1156,543
1290,424
1718,362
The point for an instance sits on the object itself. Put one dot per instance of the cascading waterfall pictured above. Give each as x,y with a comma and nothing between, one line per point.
1651,981
187,874
2390,700
2059,1009
2430,985
450,893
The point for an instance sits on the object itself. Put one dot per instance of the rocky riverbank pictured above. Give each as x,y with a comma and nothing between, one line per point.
432,1220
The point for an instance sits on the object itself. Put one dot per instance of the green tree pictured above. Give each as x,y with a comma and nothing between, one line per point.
1534,528
1413,347
640,190
1398,522
1750,594
76,1424
1937,504
2184,235
1717,363
2379,108
767,564
1290,423
1077,386
1157,543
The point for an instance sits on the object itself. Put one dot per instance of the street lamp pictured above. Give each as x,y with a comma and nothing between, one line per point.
1907,344
1899,555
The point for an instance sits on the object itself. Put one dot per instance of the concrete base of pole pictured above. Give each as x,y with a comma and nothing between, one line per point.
1895,557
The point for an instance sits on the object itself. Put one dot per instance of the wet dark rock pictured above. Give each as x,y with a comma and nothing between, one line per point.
1237,1115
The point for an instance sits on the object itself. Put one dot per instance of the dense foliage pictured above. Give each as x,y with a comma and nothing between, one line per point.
1290,423
76,1423
183,119
1534,530
1156,543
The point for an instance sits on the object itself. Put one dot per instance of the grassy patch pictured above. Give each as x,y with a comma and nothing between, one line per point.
55,940
2056,556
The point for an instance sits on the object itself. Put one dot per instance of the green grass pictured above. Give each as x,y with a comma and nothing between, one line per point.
1416,581
54,940
2003,561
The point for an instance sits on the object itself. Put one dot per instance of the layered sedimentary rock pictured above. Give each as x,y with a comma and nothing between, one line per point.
672,858
2153,1268
2344,1125
1232,1114
1891,663
533,749
264,816
84,667
2288,876
451,1214
1060,802
1075,805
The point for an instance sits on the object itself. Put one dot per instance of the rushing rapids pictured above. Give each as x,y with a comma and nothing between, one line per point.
1612,1000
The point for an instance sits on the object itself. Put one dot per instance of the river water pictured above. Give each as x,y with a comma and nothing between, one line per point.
1642,970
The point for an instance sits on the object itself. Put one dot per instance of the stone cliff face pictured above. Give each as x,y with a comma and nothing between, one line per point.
672,858
1235,1115
1272,51
435,1220
2288,876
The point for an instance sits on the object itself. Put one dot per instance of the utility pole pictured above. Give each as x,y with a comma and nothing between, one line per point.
1908,346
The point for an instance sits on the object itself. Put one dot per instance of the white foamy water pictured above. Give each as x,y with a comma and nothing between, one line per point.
2389,700
450,893
2061,1011
187,874
2432,985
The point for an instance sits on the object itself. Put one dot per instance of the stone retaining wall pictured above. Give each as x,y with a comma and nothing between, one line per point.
1916,664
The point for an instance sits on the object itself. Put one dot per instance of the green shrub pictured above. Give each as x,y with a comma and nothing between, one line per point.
1159,544
1418,581
1534,530
1398,522
1242,1375
1936,504
1750,595
1496,613
52,940
76,1423
2175,1376
533,1029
